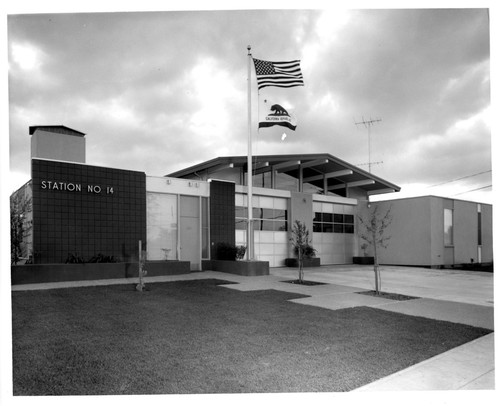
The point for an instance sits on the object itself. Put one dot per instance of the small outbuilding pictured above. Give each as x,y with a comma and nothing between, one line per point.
434,231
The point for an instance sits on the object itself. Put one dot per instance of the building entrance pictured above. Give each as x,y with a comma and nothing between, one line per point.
190,247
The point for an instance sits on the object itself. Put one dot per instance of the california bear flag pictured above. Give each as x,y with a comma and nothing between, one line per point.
275,114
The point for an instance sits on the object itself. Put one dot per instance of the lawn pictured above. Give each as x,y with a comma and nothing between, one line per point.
198,337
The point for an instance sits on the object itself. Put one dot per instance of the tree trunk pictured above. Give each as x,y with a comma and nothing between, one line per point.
377,279
301,267
375,265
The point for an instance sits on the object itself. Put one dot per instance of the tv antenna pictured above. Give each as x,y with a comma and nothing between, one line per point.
368,125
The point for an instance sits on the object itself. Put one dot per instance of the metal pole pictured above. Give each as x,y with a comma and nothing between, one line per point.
250,250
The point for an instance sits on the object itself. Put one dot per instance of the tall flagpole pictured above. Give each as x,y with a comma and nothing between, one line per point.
250,250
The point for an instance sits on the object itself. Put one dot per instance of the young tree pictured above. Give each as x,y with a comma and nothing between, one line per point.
302,247
142,268
373,231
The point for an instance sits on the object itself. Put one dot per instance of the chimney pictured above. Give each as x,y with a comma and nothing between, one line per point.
57,142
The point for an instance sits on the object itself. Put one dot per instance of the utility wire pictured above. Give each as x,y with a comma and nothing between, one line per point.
473,190
463,177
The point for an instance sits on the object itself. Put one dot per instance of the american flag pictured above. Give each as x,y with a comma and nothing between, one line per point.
279,74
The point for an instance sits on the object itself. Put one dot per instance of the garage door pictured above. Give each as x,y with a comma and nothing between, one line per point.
333,232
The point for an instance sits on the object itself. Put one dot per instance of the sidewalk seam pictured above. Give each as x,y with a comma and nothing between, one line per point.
477,378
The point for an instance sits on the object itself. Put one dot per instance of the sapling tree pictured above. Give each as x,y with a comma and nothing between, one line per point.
373,232
142,268
302,247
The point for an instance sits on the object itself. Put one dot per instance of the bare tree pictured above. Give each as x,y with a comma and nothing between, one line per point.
20,205
373,231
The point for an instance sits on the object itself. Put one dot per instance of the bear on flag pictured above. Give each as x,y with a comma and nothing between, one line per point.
275,114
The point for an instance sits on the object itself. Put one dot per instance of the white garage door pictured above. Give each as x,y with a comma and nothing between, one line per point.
333,232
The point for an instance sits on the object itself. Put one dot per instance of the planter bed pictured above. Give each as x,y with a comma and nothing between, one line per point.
363,260
159,268
43,273
244,268
305,283
308,263
388,295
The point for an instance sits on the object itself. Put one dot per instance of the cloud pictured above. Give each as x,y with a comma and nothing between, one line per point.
435,158
156,91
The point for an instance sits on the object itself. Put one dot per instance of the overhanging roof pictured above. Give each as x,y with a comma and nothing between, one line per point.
316,170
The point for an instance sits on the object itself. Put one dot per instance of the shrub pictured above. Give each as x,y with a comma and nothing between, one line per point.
240,252
74,259
99,258
226,251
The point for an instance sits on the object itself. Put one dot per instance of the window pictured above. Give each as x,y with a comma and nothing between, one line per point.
448,227
264,219
333,223
162,226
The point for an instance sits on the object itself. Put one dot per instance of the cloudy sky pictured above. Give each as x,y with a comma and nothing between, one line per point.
159,91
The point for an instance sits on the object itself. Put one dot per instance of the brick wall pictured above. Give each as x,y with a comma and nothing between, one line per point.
222,214
86,210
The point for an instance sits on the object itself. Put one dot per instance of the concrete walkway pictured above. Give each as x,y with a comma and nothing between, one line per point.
456,296
443,284
470,366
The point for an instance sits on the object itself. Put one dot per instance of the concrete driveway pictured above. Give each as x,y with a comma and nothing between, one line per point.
450,285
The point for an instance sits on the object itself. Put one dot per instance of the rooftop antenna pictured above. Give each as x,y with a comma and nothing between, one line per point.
368,124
